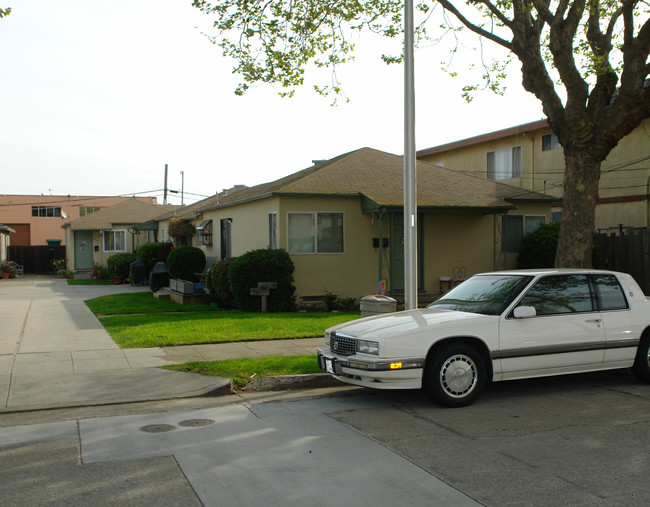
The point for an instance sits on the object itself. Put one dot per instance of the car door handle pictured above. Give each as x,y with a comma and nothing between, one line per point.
593,321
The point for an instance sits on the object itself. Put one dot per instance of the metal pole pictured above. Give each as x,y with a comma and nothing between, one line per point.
182,186
165,192
410,188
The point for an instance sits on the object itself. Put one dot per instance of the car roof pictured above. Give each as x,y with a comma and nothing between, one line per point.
548,271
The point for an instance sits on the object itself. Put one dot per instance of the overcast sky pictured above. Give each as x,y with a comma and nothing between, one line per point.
96,96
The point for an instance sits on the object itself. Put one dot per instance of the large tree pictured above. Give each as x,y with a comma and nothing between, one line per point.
585,60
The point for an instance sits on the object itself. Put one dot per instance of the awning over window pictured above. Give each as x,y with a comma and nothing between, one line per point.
203,225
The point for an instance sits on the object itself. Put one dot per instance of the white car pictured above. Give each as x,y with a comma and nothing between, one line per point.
498,326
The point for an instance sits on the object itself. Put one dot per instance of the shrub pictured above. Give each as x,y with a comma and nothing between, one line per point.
538,248
180,229
148,253
119,264
184,262
219,283
263,266
163,251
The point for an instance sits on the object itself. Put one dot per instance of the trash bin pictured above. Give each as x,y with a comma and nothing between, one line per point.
159,277
377,304
137,272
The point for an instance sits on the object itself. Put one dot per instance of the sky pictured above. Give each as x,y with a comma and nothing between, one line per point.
96,96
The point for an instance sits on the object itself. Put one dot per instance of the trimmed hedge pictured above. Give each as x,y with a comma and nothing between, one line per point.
184,262
148,253
120,264
263,266
219,283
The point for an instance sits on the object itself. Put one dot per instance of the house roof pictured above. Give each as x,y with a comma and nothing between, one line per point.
379,177
483,138
128,212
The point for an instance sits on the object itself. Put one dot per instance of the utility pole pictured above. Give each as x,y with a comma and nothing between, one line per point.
410,192
182,186
165,192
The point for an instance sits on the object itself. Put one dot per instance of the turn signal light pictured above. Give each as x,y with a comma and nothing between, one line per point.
395,366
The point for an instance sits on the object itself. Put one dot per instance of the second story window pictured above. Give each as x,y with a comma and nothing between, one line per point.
504,164
46,211
550,142
87,210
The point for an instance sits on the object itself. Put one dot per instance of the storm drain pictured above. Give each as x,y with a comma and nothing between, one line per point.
196,423
157,428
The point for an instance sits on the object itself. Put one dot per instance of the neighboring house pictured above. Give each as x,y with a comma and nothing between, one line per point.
530,157
5,231
97,236
37,219
341,220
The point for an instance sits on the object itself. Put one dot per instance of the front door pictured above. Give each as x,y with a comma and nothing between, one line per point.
83,249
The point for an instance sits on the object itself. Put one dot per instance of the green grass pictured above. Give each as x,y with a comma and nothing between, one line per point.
140,320
242,371
139,302
90,281
162,330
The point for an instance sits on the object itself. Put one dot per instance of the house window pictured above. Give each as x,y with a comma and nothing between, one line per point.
515,227
204,233
315,232
226,238
550,142
87,210
46,211
273,230
114,241
504,164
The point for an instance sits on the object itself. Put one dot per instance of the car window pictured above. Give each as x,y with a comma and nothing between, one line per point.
610,293
485,294
560,294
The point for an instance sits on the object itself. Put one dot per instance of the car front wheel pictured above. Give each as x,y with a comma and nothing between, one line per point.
455,375
641,368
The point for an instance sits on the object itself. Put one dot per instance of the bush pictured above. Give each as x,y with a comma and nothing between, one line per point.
263,266
119,265
184,262
219,283
148,253
539,247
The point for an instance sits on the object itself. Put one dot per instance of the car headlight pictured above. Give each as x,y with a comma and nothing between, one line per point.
328,338
367,347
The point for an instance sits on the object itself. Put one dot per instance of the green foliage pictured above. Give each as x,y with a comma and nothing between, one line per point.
5,12
184,262
148,253
163,251
119,264
538,248
219,283
180,229
263,266
336,304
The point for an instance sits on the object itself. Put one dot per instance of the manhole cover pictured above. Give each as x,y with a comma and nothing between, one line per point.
157,428
195,423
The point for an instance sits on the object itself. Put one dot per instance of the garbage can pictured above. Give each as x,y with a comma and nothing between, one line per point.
377,304
137,272
159,277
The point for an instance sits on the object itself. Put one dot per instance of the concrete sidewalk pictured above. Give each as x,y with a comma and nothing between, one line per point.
55,353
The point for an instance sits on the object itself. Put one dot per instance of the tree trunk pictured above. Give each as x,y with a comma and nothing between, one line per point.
578,209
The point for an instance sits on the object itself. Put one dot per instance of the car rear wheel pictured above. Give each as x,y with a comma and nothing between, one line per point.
455,375
641,368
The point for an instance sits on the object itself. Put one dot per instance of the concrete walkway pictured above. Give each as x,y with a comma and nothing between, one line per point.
55,353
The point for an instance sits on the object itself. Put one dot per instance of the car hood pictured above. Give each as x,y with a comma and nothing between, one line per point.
380,327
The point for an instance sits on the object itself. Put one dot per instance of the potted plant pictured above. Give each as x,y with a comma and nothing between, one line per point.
7,271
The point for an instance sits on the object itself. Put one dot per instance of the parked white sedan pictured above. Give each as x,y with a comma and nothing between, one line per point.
498,326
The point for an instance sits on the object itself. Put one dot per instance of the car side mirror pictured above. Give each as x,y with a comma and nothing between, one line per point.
524,312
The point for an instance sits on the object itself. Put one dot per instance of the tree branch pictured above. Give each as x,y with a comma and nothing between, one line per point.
474,28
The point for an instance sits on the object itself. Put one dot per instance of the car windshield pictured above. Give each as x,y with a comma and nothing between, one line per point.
484,294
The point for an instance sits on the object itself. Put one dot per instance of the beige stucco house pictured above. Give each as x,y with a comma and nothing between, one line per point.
341,221
529,157
95,237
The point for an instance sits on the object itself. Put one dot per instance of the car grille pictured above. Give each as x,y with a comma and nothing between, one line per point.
343,345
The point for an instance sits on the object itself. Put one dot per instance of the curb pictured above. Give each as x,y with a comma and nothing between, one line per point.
286,382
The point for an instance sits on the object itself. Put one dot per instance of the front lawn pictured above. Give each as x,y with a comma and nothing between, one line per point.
140,320
242,371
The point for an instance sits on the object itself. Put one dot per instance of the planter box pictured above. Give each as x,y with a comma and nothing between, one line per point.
181,286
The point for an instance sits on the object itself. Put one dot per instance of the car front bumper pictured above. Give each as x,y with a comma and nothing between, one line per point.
379,373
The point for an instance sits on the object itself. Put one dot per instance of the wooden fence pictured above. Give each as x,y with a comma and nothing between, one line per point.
628,252
36,260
